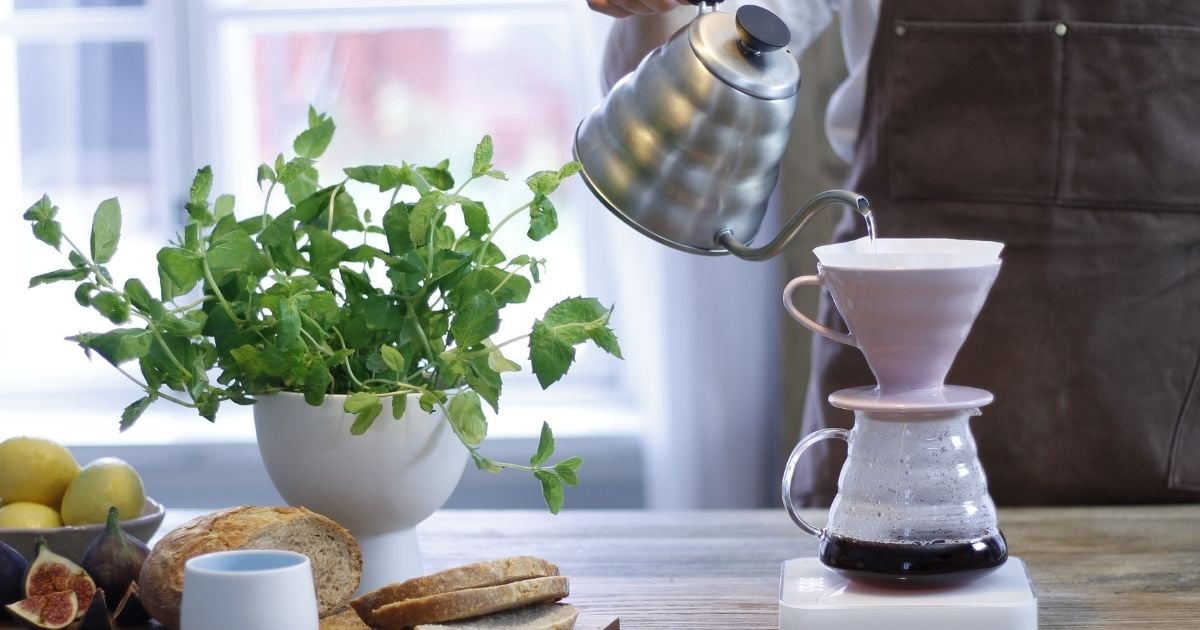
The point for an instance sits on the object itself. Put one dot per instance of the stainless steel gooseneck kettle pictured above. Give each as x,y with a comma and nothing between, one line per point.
686,149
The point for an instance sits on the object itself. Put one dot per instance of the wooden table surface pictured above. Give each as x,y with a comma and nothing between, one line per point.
1118,567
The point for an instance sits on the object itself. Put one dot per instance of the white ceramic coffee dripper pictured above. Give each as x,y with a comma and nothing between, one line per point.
912,499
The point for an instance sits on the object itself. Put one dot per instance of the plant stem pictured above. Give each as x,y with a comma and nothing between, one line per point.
265,216
146,388
346,361
492,235
208,277
189,306
487,351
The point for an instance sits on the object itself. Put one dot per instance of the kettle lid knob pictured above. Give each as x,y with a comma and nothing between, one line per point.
761,31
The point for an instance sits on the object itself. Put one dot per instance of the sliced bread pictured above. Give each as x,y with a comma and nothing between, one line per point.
335,556
536,617
467,603
475,575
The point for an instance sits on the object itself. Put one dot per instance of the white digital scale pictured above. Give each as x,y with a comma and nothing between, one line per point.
813,597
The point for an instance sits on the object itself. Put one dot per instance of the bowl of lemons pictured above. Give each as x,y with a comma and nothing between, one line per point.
44,492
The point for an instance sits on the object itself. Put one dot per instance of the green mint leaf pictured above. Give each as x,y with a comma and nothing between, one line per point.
543,218
438,176
314,118
497,361
476,217
429,399
483,463
112,306
494,174
41,210
183,268
543,182
399,403
83,294
413,178
366,174
365,418
303,184
420,218
545,447
552,490
359,401
117,346
477,319
134,411
266,174
483,157
392,359
279,238
569,169
565,325
197,204
106,230
484,381
45,228
325,251
234,252
395,227
138,295
567,470
312,142
57,276
296,168
466,416
223,207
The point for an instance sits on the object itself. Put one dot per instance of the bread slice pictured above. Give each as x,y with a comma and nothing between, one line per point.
537,617
335,556
344,619
475,575
467,603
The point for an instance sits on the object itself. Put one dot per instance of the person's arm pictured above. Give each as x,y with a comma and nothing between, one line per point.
633,37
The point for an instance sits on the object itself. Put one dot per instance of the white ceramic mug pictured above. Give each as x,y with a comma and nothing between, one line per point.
249,590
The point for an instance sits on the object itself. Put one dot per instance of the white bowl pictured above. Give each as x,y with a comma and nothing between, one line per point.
72,540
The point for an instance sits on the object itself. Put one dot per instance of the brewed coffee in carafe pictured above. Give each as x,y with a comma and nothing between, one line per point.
912,503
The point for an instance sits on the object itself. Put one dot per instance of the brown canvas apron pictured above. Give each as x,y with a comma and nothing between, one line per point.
1069,130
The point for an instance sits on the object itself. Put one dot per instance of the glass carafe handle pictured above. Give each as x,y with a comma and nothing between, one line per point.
790,469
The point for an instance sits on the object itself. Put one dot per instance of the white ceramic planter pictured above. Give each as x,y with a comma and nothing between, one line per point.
379,485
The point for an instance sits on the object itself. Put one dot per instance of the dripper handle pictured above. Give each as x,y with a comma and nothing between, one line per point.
790,469
808,322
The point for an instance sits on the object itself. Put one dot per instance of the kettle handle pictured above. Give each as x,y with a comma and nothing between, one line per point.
790,469
799,220
706,5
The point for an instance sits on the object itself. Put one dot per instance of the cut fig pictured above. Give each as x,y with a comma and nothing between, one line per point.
12,570
51,611
129,611
96,616
52,573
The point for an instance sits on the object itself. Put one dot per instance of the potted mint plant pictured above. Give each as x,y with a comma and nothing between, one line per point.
374,321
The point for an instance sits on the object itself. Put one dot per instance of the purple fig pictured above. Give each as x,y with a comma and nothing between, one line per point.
51,573
12,572
115,558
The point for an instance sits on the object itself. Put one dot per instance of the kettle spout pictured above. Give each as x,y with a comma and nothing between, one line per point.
725,238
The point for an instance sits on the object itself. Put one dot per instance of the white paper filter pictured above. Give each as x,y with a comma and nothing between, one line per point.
909,253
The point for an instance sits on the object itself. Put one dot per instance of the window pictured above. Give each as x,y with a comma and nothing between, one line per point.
127,98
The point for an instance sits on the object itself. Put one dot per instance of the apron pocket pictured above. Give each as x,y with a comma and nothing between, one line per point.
974,111
1131,116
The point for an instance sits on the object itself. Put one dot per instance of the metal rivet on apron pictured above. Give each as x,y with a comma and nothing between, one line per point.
1060,29
900,30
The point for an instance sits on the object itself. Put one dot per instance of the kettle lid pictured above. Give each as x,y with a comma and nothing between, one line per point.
747,50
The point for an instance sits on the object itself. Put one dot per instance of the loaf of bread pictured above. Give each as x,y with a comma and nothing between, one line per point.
537,617
334,554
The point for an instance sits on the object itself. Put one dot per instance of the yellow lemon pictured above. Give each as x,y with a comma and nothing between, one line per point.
25,515
106,482
35,469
